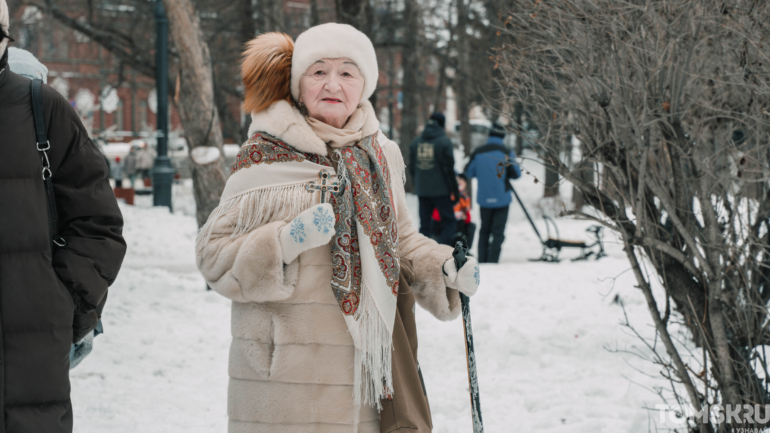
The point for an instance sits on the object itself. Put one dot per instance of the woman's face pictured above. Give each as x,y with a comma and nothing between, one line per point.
331,89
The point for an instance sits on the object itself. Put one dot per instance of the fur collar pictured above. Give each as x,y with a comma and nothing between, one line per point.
285,122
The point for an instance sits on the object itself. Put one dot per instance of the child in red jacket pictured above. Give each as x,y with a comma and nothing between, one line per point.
465,228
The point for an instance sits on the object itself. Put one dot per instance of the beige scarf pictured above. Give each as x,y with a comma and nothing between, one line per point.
350,134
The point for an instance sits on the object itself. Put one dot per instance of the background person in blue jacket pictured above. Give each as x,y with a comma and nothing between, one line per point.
493,165
431,164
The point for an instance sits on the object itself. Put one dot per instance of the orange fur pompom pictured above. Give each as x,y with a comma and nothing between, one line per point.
266,70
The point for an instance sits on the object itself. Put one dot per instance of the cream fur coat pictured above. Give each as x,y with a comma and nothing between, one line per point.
291,358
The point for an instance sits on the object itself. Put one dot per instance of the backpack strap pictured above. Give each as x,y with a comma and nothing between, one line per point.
37,110
43,145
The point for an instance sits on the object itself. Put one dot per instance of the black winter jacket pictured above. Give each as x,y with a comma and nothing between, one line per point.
431,163
48,297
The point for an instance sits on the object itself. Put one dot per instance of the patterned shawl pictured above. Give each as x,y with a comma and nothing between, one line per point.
269,176
366,263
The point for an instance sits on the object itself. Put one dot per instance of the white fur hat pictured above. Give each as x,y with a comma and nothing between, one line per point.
334,41
5,17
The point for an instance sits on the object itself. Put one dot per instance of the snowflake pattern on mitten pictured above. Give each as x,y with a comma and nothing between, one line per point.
310,229
298,231
323,221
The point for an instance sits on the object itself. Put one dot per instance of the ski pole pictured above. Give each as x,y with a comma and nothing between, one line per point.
470,354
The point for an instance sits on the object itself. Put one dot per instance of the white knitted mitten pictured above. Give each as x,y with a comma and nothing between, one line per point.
310,229
467,280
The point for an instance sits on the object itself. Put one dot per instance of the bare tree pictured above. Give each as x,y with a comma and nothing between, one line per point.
464,85
657,92
197,107
409,83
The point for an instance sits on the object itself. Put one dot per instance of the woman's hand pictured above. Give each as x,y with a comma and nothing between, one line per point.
466,280
310,229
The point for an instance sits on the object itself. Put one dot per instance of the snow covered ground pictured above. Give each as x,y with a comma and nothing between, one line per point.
547,338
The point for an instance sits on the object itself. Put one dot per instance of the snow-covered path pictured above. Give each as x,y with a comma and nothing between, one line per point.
542,335
161,365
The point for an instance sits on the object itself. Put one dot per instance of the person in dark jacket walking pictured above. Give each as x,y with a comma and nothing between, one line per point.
493,165
50,296
431,165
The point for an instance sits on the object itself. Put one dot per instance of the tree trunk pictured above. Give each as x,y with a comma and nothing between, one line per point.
356,13
230,125
518,116
552,176
409,82
272,16
315,16
391,97
440,86
247,20
196,106
390,26
462,77
551,183
585,172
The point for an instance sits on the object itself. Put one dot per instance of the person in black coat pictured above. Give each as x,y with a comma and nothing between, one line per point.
50,296
431,165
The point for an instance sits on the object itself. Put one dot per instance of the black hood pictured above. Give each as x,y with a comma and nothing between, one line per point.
432,130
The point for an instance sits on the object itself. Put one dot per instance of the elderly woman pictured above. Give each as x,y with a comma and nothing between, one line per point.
314,244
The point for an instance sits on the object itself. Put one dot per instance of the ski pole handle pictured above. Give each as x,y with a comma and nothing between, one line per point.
459,254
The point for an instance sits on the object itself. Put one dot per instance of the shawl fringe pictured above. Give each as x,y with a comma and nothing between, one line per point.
395,160
373,368
259,207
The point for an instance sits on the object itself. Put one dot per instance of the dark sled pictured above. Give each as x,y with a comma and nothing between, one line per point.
553,246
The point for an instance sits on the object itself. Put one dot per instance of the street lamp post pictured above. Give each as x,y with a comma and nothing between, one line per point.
162,171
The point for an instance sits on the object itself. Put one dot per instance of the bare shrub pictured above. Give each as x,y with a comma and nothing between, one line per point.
669,100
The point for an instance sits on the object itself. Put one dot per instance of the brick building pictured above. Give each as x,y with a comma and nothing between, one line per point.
113,107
